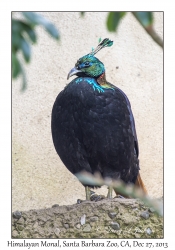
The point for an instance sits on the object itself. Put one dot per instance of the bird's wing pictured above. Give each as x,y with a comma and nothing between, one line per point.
132,121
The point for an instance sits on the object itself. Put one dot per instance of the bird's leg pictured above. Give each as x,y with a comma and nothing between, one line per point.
109,195
88,193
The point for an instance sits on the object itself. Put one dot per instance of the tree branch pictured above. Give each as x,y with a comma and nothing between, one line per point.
151,32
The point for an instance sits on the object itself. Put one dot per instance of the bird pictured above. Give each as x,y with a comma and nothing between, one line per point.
93,127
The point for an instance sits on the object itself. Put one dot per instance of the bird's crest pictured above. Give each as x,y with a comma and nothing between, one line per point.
105,43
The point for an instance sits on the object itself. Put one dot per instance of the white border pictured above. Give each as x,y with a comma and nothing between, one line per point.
5,100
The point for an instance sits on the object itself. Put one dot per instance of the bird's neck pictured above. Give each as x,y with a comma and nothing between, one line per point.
102,81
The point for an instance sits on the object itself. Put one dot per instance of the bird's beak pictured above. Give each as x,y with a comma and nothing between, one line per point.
73,71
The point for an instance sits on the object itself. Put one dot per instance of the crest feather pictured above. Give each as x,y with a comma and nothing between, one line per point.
105,43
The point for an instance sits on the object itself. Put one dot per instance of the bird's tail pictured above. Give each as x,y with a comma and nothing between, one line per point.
139,183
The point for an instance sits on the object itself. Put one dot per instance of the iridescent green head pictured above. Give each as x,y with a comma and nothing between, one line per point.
89,65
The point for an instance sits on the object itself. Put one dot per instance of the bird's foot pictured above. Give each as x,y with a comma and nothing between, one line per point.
119,196
89,194
96,197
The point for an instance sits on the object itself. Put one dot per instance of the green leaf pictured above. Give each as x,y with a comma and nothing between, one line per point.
15,41
25,47
17,70
24,82
16,30
29,30
16,25
33,17
19,43
16,67
82,13
144,17
113,20
22,27
51,30
32,35
36,19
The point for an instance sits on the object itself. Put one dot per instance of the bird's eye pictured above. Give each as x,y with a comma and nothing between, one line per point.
86,63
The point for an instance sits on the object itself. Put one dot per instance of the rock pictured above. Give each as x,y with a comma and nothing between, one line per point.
148,231
20,221
35,224
57,231
152,210
115,225
144,214
78,226
79,201
41,233
55,205
112,215
83,219
19,227
87,228
14,234
17,215
51,222
94,218
66,225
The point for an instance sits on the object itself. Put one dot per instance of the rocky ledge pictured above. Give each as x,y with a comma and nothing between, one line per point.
116,218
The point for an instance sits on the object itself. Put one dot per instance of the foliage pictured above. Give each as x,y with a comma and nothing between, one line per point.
120,187
145,18
23,35
114,19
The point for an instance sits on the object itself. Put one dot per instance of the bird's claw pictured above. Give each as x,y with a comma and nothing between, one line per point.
79,201
119,196
96,197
